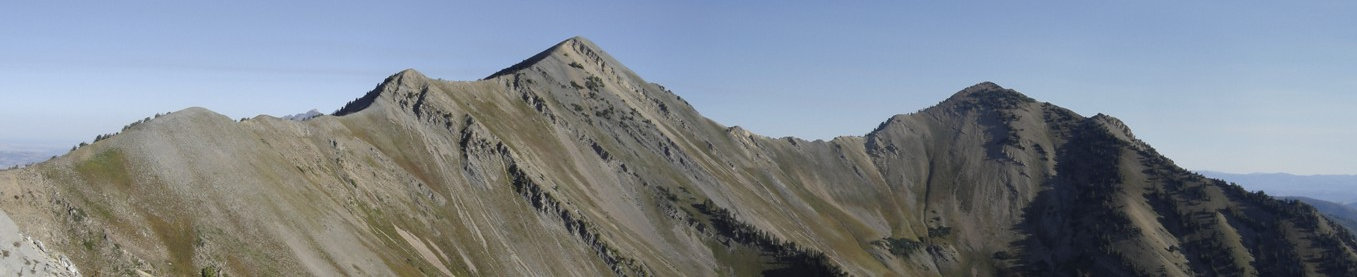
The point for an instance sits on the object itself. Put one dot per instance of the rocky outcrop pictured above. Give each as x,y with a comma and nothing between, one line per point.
22,255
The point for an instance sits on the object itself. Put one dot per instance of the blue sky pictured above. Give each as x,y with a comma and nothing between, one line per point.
1237,86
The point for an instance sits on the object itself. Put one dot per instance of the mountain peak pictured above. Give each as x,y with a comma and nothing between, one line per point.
578,39
986,85
395,80
573,56
574,45
407,73
987,94
987,89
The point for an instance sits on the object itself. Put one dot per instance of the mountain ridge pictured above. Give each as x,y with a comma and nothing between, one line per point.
570,164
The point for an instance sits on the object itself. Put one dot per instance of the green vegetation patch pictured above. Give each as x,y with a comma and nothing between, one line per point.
108,166
210,271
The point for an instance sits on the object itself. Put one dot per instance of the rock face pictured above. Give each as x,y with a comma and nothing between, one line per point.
569,164
20,254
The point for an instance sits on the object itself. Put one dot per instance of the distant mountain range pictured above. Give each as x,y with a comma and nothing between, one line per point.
1333,188
304,116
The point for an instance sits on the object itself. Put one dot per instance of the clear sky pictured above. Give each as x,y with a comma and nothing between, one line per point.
1237,86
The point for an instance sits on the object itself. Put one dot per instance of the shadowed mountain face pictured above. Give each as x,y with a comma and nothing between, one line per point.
569,164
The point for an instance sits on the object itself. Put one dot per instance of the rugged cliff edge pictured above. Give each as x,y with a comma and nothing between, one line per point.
569,164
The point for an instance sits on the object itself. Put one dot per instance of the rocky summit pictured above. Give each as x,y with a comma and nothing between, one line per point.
569,164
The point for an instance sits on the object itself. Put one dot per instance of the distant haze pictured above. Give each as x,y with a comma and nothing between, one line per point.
13,158
1340,189
12,155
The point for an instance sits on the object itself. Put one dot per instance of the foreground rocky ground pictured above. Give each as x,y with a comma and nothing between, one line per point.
20,255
